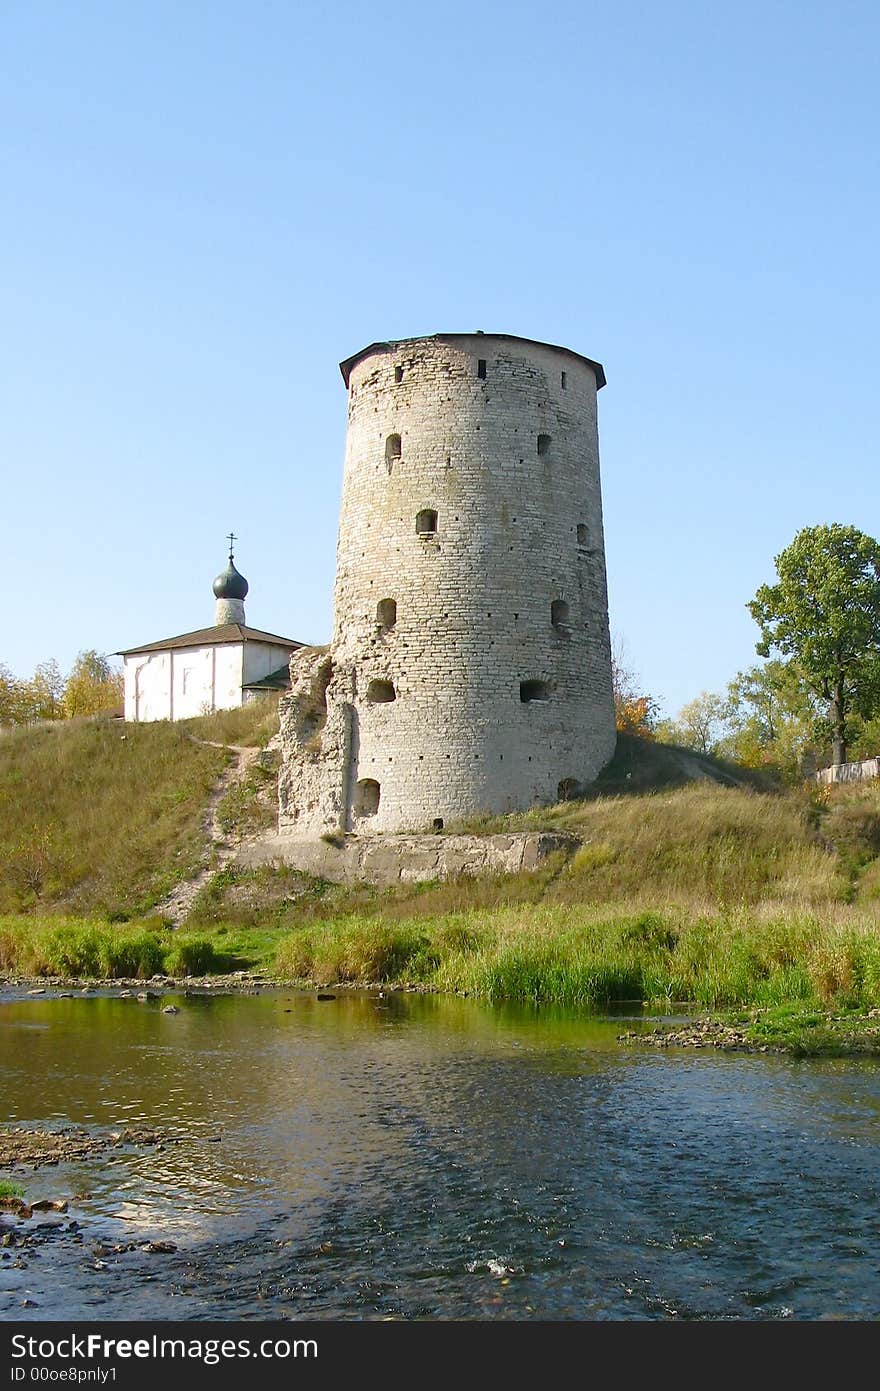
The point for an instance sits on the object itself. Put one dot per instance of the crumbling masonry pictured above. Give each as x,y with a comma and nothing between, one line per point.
470,668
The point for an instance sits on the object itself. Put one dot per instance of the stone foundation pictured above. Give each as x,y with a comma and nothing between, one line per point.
406,859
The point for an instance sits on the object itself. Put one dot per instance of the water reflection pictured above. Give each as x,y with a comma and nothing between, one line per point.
431,1157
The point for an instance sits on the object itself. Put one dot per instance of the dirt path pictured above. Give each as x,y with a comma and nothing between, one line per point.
176,905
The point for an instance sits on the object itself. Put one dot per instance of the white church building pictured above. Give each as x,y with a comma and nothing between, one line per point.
210,669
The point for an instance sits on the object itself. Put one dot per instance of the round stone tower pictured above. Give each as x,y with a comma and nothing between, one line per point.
470,653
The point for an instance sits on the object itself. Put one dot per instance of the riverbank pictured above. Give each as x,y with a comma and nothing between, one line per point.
791,1030
809,979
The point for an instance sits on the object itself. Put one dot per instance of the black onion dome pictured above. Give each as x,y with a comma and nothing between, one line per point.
230,585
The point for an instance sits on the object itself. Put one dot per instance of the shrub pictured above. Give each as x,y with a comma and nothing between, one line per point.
75,951
141,954
193,956
295,957
357,953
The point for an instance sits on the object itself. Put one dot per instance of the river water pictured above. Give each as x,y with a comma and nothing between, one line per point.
424,1157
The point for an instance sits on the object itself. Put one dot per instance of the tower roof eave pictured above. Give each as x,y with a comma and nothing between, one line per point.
350,363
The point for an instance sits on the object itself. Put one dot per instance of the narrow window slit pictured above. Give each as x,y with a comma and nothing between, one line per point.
559,613
386,612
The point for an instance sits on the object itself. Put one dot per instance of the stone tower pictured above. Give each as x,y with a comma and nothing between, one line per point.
469,669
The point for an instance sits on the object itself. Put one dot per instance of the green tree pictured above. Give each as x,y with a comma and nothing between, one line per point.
699,724
771,716
92,686
43,694
10,697
824,613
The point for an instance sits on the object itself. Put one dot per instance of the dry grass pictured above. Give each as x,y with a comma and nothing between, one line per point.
703,847
250,726
100,817
251,804
97,816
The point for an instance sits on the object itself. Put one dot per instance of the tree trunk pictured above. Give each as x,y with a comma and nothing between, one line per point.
837,714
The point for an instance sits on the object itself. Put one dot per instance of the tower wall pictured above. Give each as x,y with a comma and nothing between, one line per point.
472,503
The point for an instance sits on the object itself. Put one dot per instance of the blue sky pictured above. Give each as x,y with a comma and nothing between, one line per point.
206,206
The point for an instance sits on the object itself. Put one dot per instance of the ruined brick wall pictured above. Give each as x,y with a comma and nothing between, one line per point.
470,659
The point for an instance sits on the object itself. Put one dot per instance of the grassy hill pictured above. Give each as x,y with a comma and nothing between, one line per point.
101,817
692,881
663,827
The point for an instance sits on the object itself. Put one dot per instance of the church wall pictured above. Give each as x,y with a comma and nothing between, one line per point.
262,658
193,680
228,676
148,686
182,682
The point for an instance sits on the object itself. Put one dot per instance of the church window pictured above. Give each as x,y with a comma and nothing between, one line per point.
481,368
544,442
426,522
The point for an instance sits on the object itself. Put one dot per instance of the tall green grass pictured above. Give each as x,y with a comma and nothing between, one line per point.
543,953
593,956
91,949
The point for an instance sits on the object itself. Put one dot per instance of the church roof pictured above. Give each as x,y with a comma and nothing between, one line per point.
214,637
